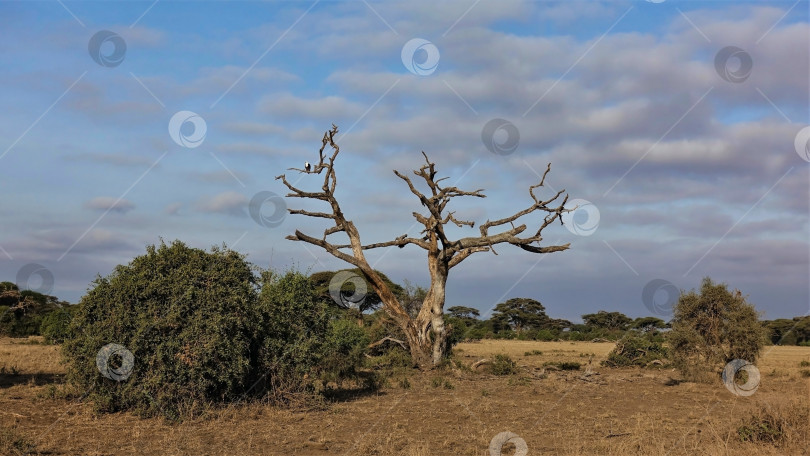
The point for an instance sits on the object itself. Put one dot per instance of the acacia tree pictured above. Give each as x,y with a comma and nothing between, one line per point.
425,332
521,314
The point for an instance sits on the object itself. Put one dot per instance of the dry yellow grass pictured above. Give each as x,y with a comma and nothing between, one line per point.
614,412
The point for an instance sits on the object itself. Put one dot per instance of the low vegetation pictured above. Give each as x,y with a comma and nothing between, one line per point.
711,327
779,424
502,365
200,334
634,350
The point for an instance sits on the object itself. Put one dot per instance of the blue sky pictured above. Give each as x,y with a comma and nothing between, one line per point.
692,174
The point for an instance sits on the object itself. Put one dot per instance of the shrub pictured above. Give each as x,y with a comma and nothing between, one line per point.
303,339
564,365
457,331
344,348
187,316
634,350
777,424
478,333
200,332
502,365
55,326
545,335
711,328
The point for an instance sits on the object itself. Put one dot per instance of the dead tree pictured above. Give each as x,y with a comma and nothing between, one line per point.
426,333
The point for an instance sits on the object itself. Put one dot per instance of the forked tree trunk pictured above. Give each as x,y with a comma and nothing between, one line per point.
426,333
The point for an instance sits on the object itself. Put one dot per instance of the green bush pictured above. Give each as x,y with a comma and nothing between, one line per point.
502,365
457,331
189,318
303,339
344,349
203,329
712,327
545,335
478,333
55,327
633,350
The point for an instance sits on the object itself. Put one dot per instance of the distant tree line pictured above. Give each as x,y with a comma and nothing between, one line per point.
29,313
25,313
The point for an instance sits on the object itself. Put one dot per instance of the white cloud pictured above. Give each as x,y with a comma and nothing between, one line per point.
230,203
104,203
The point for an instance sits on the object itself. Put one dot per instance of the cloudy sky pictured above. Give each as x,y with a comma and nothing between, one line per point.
678,126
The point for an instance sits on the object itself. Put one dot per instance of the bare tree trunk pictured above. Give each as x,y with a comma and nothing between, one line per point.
426,333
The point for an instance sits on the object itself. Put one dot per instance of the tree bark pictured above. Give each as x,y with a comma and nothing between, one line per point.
426,333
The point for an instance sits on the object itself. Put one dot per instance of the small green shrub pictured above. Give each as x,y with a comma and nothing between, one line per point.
804,363
502,365
635,350
404,383
437,382
533,353
393,358
777,424
805,373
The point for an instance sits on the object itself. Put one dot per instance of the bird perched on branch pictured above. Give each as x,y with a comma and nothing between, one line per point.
307,166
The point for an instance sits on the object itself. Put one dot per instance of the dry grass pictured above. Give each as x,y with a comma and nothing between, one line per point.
611,412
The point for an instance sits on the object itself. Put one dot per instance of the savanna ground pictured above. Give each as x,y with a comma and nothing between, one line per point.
451,412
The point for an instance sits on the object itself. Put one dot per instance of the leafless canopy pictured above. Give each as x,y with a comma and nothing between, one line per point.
435,201
426,332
